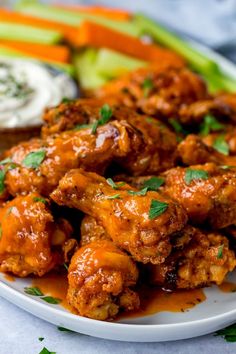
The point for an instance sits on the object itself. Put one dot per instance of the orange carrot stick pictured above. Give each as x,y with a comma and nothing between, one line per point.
98,36
108,12
15,17
56,53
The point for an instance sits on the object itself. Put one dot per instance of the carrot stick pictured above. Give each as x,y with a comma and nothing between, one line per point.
41,51
98,36
108,12
16,17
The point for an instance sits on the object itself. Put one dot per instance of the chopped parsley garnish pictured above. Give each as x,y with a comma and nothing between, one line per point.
35,291
65,266
177,127
191,175
63,329
221,145
34,159
51,300
9,210
115,185
210,124
5,161
115,196
82,126
67,100
46,351
147,86
105,115
40,339
153,183
3,172
220,252
0,231
142,191
157,208
228,333
39,199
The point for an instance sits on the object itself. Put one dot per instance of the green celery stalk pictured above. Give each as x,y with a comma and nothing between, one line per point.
218,82
86,71
197,60
11,31
74,19
112,64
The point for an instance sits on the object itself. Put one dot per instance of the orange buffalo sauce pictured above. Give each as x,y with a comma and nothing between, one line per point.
9,277
227,287
153,300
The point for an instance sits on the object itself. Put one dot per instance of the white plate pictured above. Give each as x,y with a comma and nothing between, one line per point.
218,311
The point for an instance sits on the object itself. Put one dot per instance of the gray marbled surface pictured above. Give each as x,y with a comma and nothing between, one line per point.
212,22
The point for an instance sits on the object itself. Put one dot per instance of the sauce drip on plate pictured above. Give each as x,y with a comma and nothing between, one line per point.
227,287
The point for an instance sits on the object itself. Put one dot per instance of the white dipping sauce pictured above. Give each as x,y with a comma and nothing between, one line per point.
27,88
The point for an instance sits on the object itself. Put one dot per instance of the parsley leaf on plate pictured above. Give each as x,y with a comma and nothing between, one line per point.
46,351
34,159
63,329
228,333
105,115
157,208
35,291
210,124
191,175
221,145
40,339
51,300
153,183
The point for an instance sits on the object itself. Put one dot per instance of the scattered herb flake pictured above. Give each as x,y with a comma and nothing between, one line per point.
35,291
228,333
2,180
177,127
221,145
63,329
220,252
105,115
5,161
51,300
157,208
39,199
9,210
40,339
67,100
34,159
65,266
82,126
147,86
191,175
46,351
154,183
115,185
210,124
115,196
143,191
0,231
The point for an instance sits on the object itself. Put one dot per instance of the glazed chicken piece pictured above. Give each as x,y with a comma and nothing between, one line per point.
31,241
193,151
160,143
100,276
92,231
204,260
163,93
40,164
142,225
207,192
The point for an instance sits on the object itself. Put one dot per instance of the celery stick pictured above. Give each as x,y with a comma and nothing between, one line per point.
11,31
112,64
198,61
68,17
85,66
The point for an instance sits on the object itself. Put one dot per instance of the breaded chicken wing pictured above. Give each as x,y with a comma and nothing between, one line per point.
31,241
204,260
40,164
207,192
160,142
141,224
100,276
159,92
92,231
